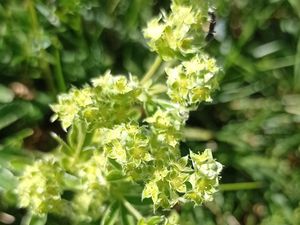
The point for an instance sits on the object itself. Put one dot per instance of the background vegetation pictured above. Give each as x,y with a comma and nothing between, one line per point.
253,124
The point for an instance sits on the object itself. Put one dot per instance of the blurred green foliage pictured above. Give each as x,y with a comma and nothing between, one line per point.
253,124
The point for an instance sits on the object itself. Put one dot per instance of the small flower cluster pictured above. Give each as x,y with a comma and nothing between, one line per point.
180,33
204,180
178,182
116,94
123,137
40,187
179,37
192,81
90,196
128,144
167,126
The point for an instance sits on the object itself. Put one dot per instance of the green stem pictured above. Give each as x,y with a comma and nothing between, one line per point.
132,210
197,134
47,75
80,141
30,218
163,102
152,70
58,73
240,186
35,32
158,89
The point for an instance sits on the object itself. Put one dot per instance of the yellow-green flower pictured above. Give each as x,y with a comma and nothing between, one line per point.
40,187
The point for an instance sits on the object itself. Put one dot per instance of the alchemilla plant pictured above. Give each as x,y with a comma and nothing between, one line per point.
124,135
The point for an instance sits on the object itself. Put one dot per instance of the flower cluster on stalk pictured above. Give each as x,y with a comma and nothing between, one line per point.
123,137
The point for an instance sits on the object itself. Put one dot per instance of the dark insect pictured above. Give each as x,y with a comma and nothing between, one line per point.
212,24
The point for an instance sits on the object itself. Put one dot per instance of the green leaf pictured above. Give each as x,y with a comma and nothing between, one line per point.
19,165
7,179
154,220
16,140
114,175
6,95
10,113
137,200
115,164
13,158
296,5
64,147
126,218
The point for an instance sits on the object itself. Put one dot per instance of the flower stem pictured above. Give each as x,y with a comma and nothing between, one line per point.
132,210
240,186
152,70
30,218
